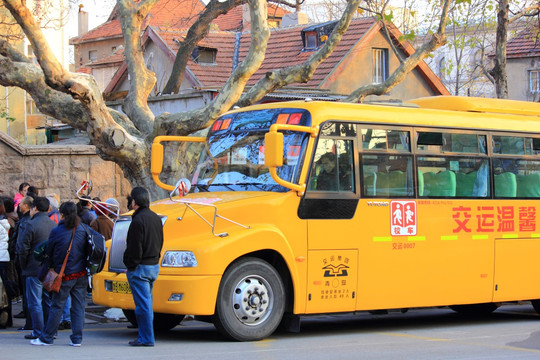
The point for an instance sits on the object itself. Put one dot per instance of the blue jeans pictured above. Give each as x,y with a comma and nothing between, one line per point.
39,302
67,310
141,281
77,289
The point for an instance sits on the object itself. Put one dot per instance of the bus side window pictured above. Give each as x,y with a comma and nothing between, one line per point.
387,175
472,178
439,177
517,178
333,168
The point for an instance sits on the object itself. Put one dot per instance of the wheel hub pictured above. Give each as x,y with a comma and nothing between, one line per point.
252,300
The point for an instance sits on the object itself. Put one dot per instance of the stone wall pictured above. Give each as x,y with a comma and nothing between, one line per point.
59,169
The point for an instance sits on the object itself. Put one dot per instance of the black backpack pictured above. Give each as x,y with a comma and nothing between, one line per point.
95,249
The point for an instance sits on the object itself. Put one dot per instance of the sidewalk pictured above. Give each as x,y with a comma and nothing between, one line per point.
94,314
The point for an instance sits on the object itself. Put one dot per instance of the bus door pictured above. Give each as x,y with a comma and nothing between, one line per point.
328,206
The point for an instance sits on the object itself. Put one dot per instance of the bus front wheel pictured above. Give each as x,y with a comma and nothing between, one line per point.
162,322
251,300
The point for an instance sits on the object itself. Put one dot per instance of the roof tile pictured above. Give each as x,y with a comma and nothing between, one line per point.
525,44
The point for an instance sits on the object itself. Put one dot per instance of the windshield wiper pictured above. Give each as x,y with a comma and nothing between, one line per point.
228,186
257,185
202,187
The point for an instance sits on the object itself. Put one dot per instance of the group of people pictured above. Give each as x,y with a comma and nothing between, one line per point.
29,221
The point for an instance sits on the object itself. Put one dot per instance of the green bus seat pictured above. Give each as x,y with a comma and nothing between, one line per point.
441,184
465,184
528,185
370,180
420,183
393,183
505,185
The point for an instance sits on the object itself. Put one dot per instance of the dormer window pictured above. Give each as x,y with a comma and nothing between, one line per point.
204,55
315,36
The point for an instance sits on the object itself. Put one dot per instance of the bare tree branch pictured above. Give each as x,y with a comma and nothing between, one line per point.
55,74
142,80
12,52
232,90
387,33
196,33
116,142
529,11
499,70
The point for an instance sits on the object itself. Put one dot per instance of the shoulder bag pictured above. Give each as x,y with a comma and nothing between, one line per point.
53,280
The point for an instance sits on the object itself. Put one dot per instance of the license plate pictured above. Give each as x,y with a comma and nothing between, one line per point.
121,287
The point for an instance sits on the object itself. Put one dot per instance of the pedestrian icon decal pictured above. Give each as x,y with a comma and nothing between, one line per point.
403,218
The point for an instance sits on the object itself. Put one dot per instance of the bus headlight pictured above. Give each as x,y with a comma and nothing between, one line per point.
179,259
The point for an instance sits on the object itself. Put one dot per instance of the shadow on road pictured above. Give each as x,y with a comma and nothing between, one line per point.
336,324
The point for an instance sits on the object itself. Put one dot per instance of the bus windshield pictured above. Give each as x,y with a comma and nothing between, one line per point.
233,158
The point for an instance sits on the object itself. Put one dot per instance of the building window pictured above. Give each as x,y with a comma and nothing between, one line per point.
442,68
274,23
380,65
311,40
534,81
203,55
92,55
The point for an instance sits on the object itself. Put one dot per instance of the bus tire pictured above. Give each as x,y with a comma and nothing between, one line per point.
475,309
162,322
251,300
536,305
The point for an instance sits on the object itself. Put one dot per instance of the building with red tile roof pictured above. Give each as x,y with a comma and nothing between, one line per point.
523,65
350,66
103,40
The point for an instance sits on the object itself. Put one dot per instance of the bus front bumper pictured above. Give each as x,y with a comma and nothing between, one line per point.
172,294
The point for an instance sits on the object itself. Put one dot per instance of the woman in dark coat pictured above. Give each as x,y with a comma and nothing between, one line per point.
74,281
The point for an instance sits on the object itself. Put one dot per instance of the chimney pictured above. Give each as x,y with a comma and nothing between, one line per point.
83,21
292,19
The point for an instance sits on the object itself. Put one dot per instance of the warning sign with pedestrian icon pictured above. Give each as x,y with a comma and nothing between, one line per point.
403,218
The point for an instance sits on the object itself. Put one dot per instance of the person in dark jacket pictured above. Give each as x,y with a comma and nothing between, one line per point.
37,231
143,247
327,179
75,279
24,207
84,210
106,215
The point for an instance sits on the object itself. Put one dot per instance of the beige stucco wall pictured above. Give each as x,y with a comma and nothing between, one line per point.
518,78
356,71
60,170
104,49
103,75
12,102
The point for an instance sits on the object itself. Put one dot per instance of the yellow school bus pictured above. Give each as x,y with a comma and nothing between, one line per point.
315,207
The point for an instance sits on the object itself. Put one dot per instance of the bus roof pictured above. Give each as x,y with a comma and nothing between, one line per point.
437,111
475,104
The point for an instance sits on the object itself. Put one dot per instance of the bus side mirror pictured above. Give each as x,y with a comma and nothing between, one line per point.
273,149
156,162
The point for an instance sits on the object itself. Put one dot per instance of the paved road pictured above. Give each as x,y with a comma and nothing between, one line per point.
512,332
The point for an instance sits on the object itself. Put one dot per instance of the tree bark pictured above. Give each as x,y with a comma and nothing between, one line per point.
142,80
195,34
499,70
175,124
